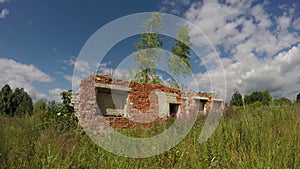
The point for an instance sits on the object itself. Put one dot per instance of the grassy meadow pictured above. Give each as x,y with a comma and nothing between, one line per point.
262,137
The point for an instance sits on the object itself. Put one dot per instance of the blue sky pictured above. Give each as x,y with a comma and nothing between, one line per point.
258,41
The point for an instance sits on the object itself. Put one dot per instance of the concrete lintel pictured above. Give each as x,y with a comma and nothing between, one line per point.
175,102
171,94
200,98
166,93
164,99
113,87
218,100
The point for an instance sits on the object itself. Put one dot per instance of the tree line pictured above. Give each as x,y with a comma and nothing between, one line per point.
18,103
15,102
262,97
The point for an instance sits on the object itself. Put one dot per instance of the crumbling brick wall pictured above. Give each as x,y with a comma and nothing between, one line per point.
87,96
142,101
140,93
209,103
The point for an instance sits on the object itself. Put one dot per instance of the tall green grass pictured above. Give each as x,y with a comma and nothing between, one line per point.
258,137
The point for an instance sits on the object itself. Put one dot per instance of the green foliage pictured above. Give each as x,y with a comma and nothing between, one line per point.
179,62
21,103
282,101
254,105
15,103
177,67
148,47
150,44
40,107
62,113
156,80
53,109
182,48
262,96
265,137
142,76
6,95
236,99
66,97
298,98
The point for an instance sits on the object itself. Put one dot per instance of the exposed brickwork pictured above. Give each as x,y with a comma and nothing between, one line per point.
120,123
141,102
140,93
87,96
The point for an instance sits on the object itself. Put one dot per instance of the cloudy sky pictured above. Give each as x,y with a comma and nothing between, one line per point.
258,42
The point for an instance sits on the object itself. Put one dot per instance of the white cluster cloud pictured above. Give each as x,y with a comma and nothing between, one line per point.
2,1
83,68
4,12
174,6
258,50
55,93
23,76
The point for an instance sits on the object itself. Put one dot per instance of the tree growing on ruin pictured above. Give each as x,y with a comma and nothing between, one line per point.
149,45
179,62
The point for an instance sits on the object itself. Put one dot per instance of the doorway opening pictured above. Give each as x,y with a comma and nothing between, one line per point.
173,107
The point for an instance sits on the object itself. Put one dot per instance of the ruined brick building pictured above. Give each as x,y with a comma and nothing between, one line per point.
118,100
